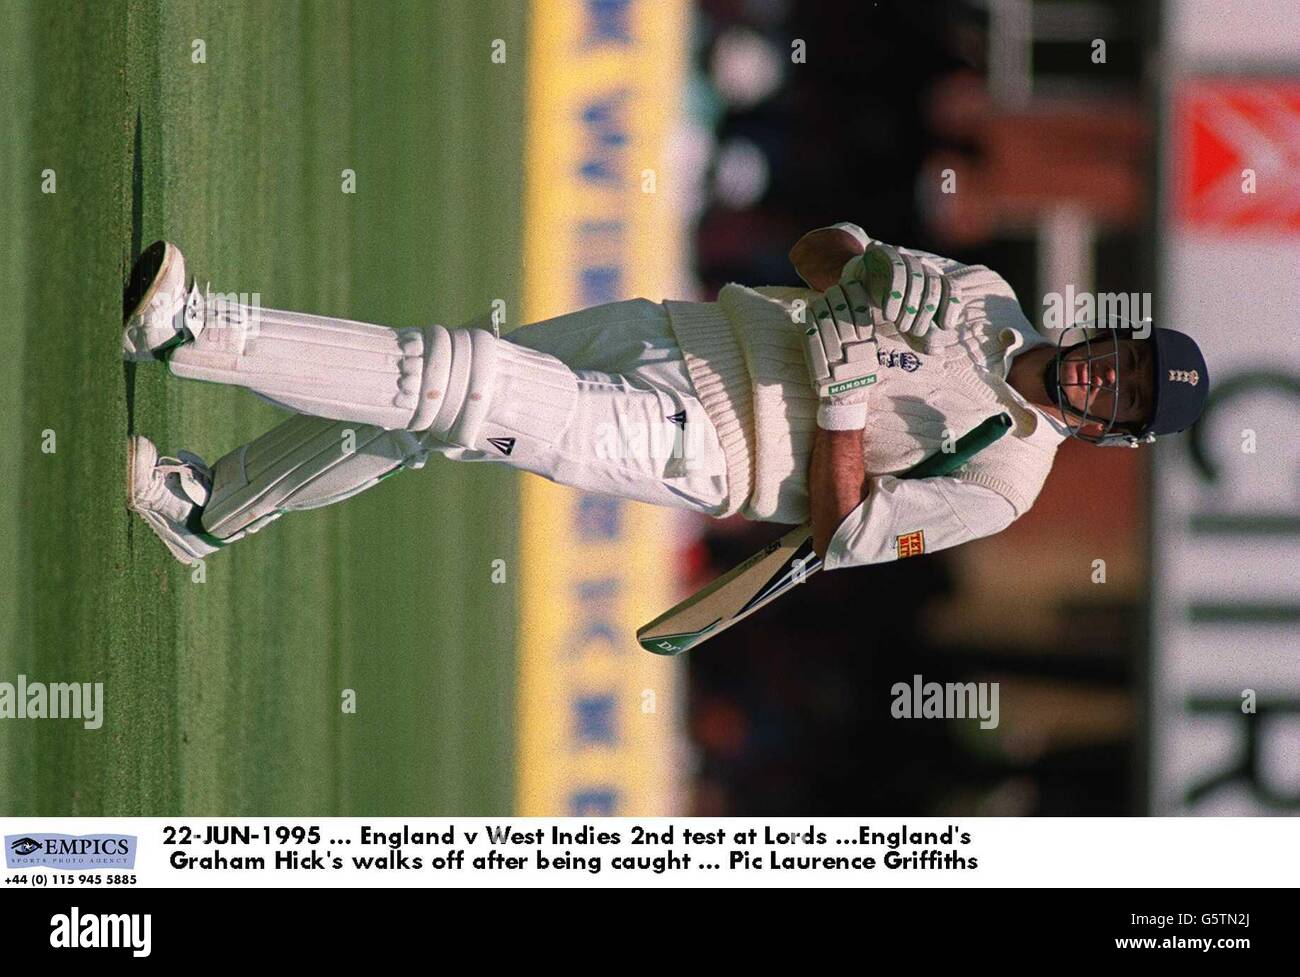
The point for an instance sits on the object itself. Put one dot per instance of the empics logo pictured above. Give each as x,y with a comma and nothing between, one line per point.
102,931
70,851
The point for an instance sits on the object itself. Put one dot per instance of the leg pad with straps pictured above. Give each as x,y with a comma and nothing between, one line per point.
303,463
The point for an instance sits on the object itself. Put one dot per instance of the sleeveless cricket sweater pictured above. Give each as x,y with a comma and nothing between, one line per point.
745,357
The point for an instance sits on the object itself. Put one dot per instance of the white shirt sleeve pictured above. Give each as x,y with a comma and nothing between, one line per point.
914,516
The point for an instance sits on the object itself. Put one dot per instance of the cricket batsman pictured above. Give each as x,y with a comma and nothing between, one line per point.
781,404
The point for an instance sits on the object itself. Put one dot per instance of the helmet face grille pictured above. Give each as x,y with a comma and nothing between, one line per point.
1083,350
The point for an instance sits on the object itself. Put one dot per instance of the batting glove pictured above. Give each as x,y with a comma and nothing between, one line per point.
909,294
840,351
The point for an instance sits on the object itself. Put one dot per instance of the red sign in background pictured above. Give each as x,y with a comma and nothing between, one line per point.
1224,127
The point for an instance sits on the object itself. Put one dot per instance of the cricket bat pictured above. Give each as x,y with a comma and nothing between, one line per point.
781,565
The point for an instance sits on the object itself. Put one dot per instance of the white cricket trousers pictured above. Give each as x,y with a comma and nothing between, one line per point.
637,429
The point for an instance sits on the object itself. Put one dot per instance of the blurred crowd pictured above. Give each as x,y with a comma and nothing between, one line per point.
815,121
837,110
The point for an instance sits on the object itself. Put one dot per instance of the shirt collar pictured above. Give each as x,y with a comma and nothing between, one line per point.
1014,341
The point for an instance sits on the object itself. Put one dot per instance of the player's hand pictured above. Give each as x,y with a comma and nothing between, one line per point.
908,293
820,255
840,351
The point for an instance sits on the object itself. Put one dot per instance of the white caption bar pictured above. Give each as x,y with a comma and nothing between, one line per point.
396,852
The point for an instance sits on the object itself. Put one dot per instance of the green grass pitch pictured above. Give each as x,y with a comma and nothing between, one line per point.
223,697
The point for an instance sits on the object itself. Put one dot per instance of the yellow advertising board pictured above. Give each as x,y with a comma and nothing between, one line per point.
599,728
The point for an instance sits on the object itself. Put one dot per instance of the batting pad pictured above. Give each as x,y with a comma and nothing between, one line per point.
335,368
304,463
531,399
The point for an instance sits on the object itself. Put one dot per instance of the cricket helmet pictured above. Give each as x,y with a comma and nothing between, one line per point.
1179,381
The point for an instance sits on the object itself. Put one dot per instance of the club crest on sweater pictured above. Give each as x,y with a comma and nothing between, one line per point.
911,544
904,360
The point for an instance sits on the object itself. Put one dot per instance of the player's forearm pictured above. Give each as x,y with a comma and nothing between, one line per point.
819,255
837,483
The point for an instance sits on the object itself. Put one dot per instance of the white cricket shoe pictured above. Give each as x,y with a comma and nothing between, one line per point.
159,312
168,493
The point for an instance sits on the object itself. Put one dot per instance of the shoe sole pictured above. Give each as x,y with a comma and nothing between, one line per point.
133,449
146,273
